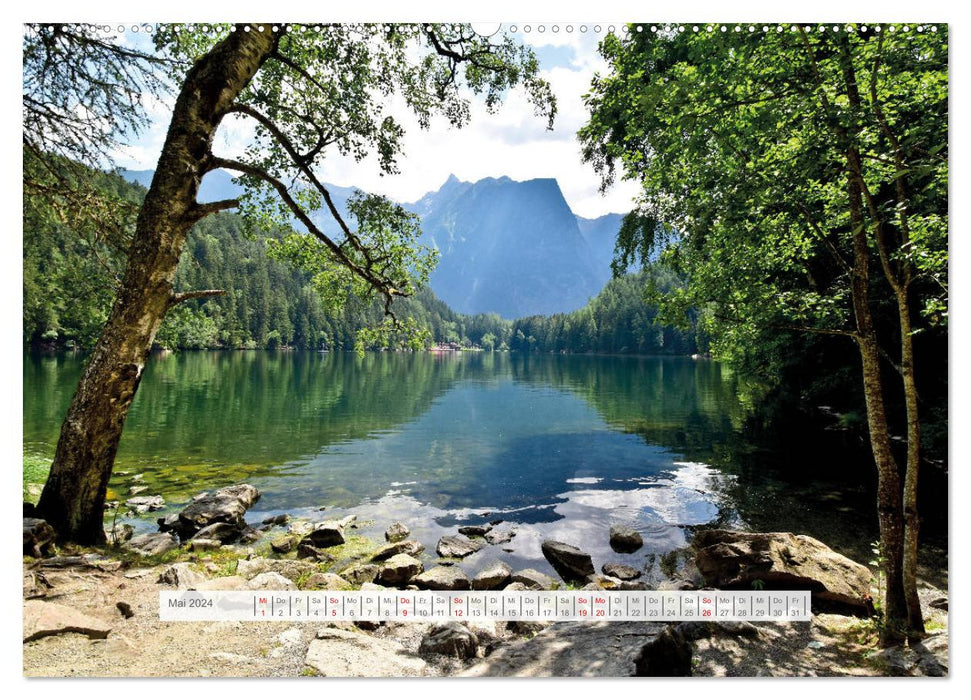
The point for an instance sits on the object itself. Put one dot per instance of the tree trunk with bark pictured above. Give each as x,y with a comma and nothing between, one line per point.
915,617
74,495
889,499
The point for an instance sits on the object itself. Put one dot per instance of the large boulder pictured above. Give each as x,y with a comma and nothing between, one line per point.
590,649
474,530
145,504
571,564
731,559
181,576
271,581
326,582
289,568
328,533
625,539
396,532
284,544
222,532
227,505
456,546
169,523
499,536
398,570
669,654
359,574
344,653
119,533
410,547
621,571
533,580
38,537
153,543
449,639
494,576
43,619
442,578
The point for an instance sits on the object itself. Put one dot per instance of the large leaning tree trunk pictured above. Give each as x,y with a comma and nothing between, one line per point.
74,495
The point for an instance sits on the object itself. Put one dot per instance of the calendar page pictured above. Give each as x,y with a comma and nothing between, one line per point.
393,349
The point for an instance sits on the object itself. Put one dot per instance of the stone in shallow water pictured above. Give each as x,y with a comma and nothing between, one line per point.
474,530
227,505
224,532
621,571
284,545
457,546
328,533
361,573
291,569
326,582
410,547
204,545
532,579
570,562
499,536
625,539
119,533
396,532
495,575
144,504
443,578
398,570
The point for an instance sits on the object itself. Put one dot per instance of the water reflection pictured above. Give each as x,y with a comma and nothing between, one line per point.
558,447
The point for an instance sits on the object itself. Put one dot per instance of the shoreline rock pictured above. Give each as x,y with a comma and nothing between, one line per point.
730,559
571,563
227,505
624,539
456,547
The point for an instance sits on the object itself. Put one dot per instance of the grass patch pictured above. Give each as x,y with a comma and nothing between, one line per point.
225,558
355,548
36,469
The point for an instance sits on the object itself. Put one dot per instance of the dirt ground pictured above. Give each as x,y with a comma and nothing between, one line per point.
144,646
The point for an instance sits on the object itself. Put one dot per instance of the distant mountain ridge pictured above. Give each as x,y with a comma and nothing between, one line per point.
507,247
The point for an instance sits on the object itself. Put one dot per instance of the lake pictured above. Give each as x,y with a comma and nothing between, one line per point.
555,446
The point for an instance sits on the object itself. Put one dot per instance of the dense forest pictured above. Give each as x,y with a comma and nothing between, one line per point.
69,281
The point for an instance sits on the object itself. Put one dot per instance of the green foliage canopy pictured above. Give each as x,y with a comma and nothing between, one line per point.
739,140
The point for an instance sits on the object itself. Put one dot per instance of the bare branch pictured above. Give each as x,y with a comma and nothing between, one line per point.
384,286
200,211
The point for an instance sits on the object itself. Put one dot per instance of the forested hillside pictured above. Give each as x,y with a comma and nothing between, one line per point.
69,279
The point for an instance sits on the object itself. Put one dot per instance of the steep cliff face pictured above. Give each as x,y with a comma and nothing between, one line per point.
508,247
513,248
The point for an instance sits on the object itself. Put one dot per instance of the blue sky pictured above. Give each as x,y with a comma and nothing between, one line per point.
512,142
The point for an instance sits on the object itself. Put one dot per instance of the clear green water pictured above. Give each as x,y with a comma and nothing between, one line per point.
555,446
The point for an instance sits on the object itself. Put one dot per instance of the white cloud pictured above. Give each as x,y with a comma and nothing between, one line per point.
513,141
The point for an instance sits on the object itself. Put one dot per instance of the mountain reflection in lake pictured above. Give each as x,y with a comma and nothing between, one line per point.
556,447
